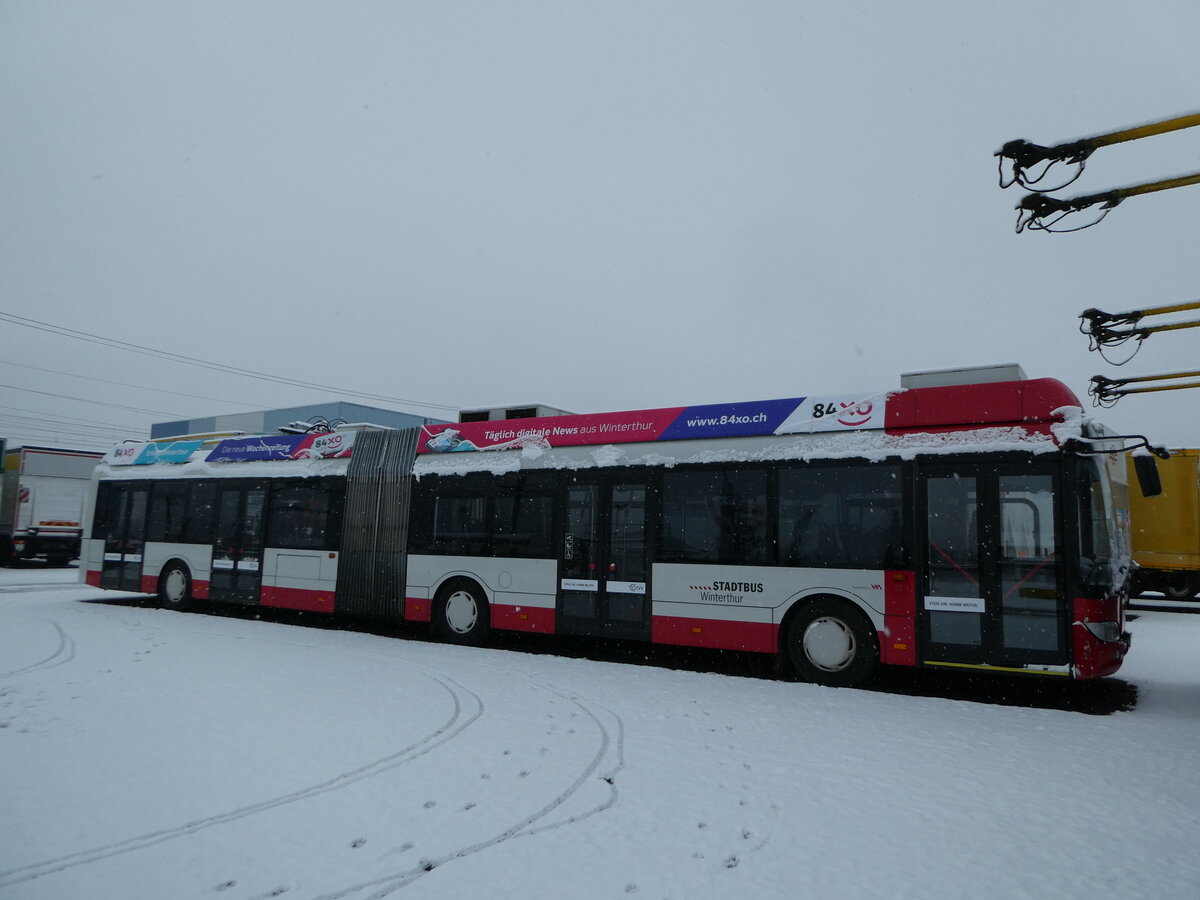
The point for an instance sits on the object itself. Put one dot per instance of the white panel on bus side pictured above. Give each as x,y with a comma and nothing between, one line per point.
301,569
198,558
531,582
741,592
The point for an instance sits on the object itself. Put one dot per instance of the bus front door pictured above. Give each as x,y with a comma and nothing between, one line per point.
238,544
993,592
603,571
125,539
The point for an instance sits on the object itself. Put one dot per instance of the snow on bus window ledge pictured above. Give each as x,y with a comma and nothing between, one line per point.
201,468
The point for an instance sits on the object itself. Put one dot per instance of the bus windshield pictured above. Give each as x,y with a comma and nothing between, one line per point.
1104,549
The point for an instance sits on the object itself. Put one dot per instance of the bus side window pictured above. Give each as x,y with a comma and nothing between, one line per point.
299,516
201,510
841,516
105,492
716,515
523,525
168,511
460,525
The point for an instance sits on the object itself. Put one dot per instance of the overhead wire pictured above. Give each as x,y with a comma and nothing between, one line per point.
30,422
75,420
141,387
153,412
112,343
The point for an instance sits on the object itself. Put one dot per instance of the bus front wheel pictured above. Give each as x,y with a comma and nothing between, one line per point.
831,642
175,587
462,614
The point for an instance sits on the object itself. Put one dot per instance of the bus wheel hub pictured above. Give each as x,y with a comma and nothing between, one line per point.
829,644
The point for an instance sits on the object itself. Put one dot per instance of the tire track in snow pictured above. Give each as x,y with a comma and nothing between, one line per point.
63,653
467,708
612,743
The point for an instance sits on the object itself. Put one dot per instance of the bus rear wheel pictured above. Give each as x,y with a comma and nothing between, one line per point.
461,614
831,642
175,587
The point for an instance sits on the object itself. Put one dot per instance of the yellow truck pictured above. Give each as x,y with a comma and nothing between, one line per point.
1166,528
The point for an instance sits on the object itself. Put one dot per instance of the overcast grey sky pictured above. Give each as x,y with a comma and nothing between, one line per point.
598,206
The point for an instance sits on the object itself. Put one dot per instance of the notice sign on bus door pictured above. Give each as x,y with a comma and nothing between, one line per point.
795,415
956,604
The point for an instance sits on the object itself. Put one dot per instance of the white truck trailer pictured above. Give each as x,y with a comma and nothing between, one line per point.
42,495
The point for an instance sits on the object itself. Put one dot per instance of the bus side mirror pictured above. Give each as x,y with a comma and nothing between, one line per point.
1147,475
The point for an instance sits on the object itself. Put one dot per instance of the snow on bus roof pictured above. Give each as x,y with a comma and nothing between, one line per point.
1035,406
874,446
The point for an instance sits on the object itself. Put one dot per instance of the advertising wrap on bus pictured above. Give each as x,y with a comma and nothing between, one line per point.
790,416
244,449
284,446
131,454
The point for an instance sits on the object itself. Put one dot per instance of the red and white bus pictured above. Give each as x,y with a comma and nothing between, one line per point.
968,520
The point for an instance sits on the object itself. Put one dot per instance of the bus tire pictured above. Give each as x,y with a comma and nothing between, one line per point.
831,642
175,587
461,613
1179,585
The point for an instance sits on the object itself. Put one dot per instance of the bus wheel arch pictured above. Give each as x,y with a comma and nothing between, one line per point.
175,586
461,613
829,640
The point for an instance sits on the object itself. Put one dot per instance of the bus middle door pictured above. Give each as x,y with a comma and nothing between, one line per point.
238,543
603,565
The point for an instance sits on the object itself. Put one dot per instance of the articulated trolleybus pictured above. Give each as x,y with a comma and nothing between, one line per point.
969,520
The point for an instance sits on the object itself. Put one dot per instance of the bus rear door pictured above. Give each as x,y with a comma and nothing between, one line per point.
125,535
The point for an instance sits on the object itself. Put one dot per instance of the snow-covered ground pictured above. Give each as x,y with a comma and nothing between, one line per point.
152,754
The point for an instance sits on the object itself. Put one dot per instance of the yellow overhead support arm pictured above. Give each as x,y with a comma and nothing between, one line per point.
1024,157
1037,212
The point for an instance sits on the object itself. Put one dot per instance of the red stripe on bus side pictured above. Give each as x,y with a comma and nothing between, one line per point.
200,590
717,634
149,584
93,578
898,640
295,598
523,618
417,609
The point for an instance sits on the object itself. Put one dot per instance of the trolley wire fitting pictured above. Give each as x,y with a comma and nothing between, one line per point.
1030,165
1107,391
1106,331
1019,160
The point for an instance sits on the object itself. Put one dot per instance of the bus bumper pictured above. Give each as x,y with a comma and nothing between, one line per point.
1099,639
